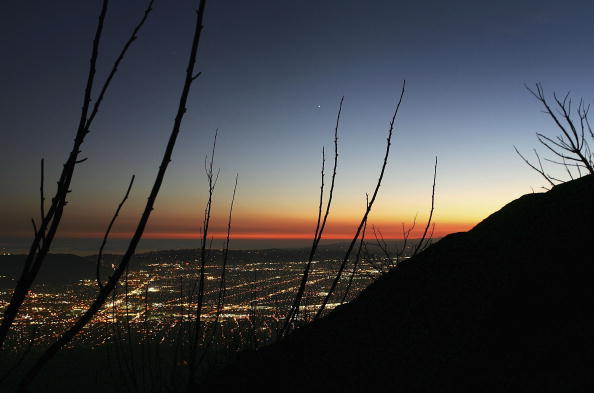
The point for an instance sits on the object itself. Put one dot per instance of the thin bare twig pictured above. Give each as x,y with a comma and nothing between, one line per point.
197,332
368,210
124,262
357,257
223,283
51,220
106,236
420,244
294,310
571,145
42,195
36,253
538,170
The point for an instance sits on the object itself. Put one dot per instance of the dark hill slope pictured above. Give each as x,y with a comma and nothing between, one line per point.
505,307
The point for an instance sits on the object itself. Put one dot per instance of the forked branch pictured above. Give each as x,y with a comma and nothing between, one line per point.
50,222
107,232
420,245
367,210
571,146
294,310
109,286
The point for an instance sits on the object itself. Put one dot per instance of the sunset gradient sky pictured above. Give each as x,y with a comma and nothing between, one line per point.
273,74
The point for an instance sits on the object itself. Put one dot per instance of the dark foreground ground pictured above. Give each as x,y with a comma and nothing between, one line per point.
505,307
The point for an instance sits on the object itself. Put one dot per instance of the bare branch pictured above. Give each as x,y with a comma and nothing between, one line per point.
381,243
197,332
294,310
406,237
222,284
357,257
106,236
571,145
50,222
41,193
540,171
124,262
420,244
367,211
36,253
114,68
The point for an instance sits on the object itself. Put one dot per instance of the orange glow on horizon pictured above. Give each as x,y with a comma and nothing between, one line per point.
393,232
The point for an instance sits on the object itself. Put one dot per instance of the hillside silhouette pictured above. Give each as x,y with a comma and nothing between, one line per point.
60,269
506,306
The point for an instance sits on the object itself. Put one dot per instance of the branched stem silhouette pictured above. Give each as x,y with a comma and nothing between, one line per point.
367,210
222,284
109,286
294,310
44,236
420,246
196,333
106,236
357,257
571,146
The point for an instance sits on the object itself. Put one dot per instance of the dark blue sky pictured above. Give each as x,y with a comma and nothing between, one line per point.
273,73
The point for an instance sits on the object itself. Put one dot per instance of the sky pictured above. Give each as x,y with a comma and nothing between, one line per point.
273,73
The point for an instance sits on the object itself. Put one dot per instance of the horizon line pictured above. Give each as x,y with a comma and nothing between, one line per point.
221,236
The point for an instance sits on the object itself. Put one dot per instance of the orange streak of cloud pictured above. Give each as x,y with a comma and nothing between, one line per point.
392,232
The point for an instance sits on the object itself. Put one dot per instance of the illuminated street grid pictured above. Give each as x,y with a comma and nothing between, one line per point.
259,289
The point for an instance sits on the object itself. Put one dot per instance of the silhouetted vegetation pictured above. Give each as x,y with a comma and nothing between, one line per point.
367,209
178,357
570,149
488,310
50,221
294,310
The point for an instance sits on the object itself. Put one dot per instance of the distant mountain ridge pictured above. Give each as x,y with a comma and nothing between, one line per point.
57,269
505,307
61,269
